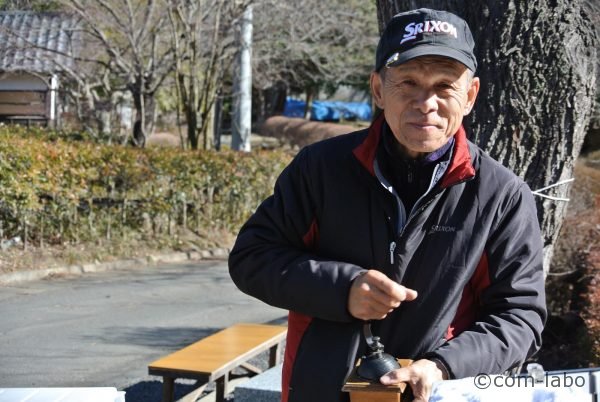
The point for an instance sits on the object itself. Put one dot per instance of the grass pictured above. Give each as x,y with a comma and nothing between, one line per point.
131,245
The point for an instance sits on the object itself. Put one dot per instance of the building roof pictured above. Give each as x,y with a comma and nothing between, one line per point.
34,42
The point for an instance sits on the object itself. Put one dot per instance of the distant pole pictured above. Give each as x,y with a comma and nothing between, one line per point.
242,115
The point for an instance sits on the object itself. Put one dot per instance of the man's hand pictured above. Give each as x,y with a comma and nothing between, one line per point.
420,376
373,296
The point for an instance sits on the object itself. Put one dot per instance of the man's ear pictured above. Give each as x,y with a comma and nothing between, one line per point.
377,89
472,95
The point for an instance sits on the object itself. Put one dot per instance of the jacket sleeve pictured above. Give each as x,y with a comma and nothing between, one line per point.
273,260
513,306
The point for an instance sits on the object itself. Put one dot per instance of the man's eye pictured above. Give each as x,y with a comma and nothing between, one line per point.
409,83
445,85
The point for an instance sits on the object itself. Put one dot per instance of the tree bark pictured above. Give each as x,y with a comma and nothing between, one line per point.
310,95
218,115
537,64
139,129
192,124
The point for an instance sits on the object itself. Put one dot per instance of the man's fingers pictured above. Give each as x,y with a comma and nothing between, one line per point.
372,311
398,292
375,315
378,296
420,376
390,287
410,294
396,376
373,295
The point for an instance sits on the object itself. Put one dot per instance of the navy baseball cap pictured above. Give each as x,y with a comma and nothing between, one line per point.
425,32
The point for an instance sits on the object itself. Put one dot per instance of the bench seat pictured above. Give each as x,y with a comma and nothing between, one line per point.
214,357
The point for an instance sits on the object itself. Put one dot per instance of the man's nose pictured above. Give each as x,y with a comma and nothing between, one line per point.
426,101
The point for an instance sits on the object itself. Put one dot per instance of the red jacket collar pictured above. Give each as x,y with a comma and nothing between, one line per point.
460,168
366,151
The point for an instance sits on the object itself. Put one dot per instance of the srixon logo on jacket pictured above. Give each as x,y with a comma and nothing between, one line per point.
442,229
415,28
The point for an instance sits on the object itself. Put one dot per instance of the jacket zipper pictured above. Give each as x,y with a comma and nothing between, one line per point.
395,227
430,197
392,248
392,232
429,194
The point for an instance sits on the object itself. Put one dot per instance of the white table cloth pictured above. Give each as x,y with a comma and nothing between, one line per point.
465,390
105,394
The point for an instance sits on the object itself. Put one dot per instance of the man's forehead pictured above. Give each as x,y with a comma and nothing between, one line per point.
433,63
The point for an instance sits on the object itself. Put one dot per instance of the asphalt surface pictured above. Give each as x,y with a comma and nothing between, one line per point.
102,329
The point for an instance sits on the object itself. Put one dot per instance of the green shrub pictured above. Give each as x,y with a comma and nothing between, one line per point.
57,191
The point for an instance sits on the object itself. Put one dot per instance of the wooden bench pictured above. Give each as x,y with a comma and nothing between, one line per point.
214,357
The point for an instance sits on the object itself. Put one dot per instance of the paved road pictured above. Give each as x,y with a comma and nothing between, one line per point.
103,329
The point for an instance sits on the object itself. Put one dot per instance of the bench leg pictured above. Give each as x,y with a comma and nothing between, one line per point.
274,355
195,394
221,385
168,388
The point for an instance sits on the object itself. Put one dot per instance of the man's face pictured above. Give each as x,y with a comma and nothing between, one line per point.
424,101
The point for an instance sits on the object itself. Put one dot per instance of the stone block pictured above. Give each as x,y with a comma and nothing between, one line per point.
265,387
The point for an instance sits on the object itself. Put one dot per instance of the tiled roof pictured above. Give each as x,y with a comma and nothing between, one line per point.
35,42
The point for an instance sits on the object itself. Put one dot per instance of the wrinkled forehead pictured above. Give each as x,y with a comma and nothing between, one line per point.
433,63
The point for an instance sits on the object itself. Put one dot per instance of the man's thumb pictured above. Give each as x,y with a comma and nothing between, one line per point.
411,294
395,377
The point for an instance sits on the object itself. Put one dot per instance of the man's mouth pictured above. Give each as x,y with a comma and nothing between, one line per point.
425,126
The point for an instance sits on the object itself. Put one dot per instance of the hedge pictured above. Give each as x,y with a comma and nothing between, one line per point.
55,190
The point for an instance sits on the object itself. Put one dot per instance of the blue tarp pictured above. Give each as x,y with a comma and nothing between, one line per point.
329,110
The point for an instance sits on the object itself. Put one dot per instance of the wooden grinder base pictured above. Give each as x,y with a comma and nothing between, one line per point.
366,391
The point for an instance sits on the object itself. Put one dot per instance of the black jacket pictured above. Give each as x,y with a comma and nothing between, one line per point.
471,247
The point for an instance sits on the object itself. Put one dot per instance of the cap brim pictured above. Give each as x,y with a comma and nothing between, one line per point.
432,50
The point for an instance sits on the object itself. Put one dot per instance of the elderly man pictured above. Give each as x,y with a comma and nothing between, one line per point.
406,224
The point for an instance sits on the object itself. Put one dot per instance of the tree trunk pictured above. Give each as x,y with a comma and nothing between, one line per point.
192,124
310,95
193,95
242,116
537,65
206,109
145,111
208,128
139,125
274,99
218,116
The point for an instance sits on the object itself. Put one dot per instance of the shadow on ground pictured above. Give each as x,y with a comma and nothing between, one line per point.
164,339
151,391
278,321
